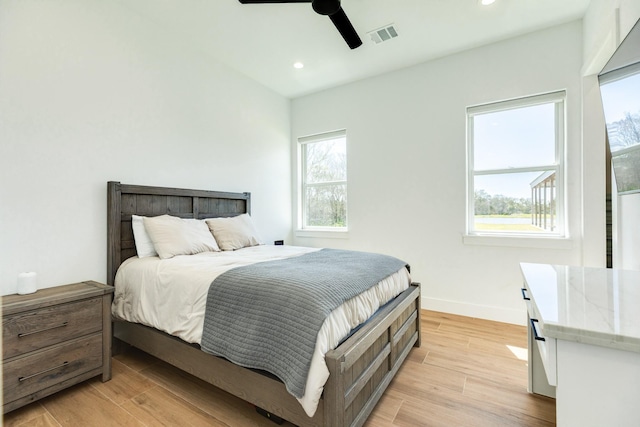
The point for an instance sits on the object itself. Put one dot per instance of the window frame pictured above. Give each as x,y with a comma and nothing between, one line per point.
303,142
605,79
559,99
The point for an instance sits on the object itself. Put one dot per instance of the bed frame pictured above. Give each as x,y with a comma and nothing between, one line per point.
360,368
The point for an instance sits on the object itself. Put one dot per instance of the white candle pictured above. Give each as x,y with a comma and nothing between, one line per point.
27,283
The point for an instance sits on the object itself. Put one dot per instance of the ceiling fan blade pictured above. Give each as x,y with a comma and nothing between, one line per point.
345,28
331,8
273,1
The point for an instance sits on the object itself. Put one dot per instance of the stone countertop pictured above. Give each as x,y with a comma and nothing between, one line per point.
597,306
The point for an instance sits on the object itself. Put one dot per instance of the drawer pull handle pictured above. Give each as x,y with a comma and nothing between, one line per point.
535,331
43,372
42,330
524,295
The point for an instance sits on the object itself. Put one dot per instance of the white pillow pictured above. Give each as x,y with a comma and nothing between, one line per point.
173,236
234,233
144,245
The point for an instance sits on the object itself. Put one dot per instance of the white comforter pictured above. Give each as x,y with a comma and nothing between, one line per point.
170,295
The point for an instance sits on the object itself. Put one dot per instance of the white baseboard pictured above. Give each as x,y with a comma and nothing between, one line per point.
498,314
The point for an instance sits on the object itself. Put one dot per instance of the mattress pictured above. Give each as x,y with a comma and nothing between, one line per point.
170,295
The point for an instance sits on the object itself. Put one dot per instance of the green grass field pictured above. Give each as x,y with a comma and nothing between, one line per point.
506,227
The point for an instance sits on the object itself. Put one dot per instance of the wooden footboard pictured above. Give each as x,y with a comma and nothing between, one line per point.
364,365
360,369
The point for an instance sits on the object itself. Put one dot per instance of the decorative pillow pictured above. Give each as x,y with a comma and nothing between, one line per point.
173,236
234,233
144,245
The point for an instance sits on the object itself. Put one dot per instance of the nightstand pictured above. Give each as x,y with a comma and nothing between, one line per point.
53,339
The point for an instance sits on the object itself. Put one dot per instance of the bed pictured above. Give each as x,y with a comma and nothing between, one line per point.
360,368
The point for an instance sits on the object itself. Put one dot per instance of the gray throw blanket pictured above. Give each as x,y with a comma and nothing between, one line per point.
267,315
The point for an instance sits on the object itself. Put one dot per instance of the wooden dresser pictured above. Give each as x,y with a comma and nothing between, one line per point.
53,339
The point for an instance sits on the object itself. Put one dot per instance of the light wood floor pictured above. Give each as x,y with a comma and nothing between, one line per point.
468,372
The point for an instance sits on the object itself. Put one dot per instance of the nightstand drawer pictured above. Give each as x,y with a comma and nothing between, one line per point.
49,367
33,330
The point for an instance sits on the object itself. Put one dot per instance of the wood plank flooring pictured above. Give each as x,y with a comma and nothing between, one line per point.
468,372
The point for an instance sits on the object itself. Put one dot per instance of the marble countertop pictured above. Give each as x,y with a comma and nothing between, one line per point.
596,306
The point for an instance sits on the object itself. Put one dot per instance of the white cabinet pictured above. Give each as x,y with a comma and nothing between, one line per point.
587,354
597,386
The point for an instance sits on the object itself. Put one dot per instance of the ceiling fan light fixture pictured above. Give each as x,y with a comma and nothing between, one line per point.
298,65
325,7
486,2
330,8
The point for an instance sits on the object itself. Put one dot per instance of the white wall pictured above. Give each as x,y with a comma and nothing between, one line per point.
91,92
407,172
628,238
606,23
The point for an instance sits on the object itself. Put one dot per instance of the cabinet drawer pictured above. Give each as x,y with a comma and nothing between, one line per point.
546,346
36,329
43,369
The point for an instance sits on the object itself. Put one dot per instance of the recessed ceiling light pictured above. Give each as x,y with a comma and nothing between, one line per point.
298,65
486,2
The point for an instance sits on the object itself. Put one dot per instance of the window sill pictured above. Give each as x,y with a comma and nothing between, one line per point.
533,242
322,233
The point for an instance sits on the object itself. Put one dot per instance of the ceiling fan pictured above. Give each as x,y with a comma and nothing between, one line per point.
330,8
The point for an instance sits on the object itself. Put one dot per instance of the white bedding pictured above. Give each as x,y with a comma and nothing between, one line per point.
170,295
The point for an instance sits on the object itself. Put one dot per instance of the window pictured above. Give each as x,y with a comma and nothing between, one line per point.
620,91
516,167
324,181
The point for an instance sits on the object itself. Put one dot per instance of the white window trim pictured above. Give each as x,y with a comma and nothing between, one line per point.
310,231
341,233
519,241
559,239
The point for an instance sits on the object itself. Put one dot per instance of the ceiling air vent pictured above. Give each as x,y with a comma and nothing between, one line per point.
383,34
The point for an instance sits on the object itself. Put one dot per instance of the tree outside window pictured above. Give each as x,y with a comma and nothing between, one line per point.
620,94
324,181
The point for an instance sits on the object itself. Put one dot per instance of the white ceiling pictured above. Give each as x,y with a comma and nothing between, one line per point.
263,41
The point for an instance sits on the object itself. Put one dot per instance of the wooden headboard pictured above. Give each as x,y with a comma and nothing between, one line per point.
124,200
